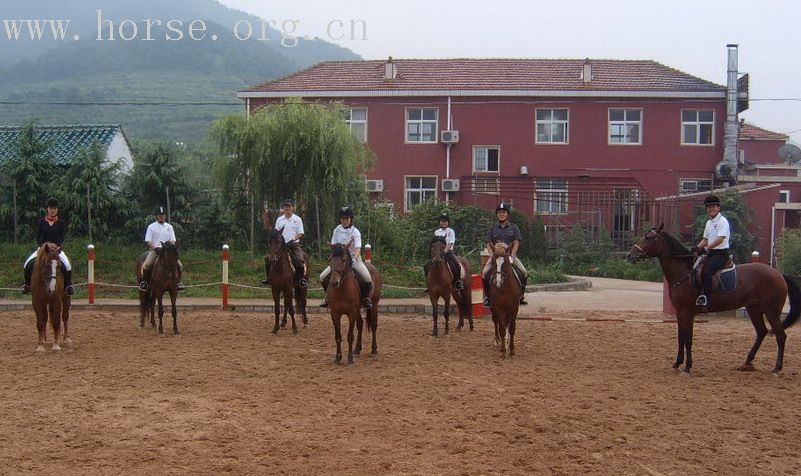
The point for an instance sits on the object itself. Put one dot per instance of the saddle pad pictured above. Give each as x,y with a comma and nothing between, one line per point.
728,279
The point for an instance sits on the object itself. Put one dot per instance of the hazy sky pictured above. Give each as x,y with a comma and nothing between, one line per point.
687,35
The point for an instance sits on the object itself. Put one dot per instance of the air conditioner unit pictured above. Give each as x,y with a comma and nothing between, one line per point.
375,185
449,137
450,185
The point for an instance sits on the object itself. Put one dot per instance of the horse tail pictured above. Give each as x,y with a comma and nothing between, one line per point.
461,302
794,293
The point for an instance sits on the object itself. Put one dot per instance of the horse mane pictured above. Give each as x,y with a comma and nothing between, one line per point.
441,239
675,245
338,250
274,233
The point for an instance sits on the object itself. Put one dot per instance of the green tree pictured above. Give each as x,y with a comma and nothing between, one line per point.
734,208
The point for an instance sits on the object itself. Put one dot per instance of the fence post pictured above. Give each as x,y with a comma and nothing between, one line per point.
368,253
90,282
226,255
755,257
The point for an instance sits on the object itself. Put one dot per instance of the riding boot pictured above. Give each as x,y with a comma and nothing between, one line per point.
266,281
68,287
523,296
456,271
486,282
324,283
144,286
28,273
367,289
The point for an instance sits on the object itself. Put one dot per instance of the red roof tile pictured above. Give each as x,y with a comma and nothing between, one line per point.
752,132
490,74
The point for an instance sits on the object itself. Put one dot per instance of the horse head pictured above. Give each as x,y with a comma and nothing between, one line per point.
168,253
340,263
275,243
437,250
500,257
48,265
652,245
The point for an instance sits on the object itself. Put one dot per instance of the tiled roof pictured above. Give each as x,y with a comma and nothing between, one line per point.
64,141
490,74
752,132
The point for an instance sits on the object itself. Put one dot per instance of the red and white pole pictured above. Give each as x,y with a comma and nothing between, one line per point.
755,257
90,282
226,255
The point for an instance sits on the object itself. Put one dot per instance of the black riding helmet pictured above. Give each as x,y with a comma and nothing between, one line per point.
445,217
503,206
711,200
160,211
346,212
288,201
52,203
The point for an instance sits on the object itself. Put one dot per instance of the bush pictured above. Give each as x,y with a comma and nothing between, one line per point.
790,244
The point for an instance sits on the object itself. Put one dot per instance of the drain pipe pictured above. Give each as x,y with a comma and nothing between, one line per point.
448,153
730,133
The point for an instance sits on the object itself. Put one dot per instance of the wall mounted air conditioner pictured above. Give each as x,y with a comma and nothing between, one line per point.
450,185
375,185
449,137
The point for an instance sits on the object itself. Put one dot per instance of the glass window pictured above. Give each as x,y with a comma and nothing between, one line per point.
552,126
550,195
624,126
356,119
419,190
697,126
485,158
421,125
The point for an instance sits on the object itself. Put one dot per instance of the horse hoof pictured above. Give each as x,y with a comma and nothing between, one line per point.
374,352
40,348
275,330
337,359
746,368
777,373
350,360
56,348
685,373
67,342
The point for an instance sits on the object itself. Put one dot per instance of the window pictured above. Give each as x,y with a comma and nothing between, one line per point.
550,195
624,126
695,185
697,126
552,126
486,185
485,158
356,119
784,196
419,190
421,125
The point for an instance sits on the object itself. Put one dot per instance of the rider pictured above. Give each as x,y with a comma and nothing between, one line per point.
347,234
157,233
292,226
50,229
446,232
506,232
715,244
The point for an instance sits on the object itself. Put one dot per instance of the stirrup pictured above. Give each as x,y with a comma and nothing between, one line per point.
69,290
367,303
458,285
266,282
324,303
26,289
180,287
303,283
487,302
143,286
523,300
701,301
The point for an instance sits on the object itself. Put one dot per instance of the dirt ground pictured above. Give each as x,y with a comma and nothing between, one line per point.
229,397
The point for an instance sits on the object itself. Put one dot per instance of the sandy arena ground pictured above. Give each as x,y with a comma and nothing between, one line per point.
229,397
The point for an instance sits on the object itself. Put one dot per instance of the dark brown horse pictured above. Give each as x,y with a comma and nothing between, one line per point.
282,281
164,278
48,298
760,289
343,299
440,285
505,294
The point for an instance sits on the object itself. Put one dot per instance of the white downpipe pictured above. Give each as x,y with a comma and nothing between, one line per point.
772,232
448,152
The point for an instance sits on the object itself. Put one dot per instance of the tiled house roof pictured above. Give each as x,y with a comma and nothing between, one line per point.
64,141
499,75
752,132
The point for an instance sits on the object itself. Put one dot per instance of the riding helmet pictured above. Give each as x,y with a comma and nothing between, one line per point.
711,200
52,203
503,206
160,211
288,201
346,212
445,217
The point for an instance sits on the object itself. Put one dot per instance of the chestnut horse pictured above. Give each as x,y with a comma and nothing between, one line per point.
344,299
163,278
440,285
505,293
48,298
282,281
760,289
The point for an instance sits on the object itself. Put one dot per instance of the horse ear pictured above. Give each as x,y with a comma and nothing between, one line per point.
660,227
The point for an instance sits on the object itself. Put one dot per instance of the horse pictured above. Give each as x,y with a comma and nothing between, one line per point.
48,298
344,299
759,288
505,293
282,281
440,285
163,278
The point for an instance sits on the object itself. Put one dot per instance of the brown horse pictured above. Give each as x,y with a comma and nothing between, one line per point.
164,278
760,289
282,281
48,298
440,285
505,294
344,299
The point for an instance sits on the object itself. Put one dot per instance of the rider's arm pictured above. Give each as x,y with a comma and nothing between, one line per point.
716,242
515,246
490,250
297,237
702,244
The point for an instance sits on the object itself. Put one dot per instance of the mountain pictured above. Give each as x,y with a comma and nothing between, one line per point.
140,71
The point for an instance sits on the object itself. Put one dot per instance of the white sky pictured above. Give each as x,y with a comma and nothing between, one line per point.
690,35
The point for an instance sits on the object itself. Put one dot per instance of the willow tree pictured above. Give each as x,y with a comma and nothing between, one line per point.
297,149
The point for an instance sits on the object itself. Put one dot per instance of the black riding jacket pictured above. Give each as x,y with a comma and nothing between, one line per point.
45,232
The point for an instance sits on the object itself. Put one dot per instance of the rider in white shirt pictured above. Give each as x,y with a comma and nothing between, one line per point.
446,232
291,227
347,234
157,233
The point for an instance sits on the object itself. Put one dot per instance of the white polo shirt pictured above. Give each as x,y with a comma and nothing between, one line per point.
344,235
447,233
159,232
715,228
292,226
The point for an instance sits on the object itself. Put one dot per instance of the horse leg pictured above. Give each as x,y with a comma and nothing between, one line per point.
174,310
55,322
300,300
359,326
41,325
502,336
512,326
774,318
352,318
373,323
757,320
151,300
680,324
335,319
276,307
142,308
65,317
289,306
161,314
447,312
434,304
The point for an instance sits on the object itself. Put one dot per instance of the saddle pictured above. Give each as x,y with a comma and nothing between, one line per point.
515,271
724,280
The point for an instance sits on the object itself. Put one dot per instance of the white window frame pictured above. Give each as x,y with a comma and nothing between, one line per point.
486,169
350,122
556,198
486,184
425,191
421,123
696,188
784,196
698,124
551,122
625,124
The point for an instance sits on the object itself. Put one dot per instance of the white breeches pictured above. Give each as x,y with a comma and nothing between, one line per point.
361,272
61,256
